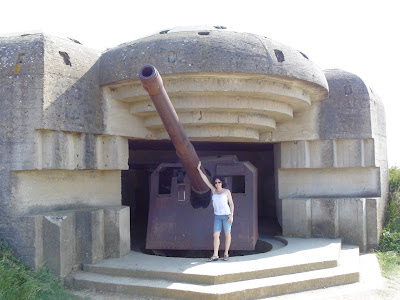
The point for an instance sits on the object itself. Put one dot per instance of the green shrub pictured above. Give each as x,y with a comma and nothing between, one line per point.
389,247
390,238
393,208
17,281
394,180
390,241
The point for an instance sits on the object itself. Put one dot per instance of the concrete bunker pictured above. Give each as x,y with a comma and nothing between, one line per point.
71,127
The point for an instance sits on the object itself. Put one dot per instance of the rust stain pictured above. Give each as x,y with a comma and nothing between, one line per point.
18,65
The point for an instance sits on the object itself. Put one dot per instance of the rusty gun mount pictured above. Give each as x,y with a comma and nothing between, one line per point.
153,84
180,217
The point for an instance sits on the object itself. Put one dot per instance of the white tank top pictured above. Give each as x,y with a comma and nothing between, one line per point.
220,203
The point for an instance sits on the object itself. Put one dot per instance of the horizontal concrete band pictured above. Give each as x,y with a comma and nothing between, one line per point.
46,190
328,153
254,102
272,86
329,182
75,150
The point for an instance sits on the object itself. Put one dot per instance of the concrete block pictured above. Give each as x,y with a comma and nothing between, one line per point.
89,236
296,217
325,218
321,154
368,151
47,190
373,230
71,150
295,154
352,222
117,231
329,183
112,153
30,241
59,242
348,153
60,150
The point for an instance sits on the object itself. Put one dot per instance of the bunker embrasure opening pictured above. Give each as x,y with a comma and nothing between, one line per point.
172,220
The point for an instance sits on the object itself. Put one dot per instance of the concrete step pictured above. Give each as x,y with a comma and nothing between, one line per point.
346,272
299,255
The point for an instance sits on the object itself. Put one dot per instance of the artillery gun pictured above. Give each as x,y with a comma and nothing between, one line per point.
180,214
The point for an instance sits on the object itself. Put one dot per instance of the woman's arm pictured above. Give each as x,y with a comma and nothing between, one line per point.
205,178
231,205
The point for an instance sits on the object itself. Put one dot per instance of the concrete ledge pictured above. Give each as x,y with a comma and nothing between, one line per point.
242,277
43,191
329,182
297,256
62,239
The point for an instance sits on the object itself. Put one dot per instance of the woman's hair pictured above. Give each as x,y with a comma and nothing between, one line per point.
220,178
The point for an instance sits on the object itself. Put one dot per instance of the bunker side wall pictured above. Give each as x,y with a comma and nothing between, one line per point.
337,166
56,160
21,93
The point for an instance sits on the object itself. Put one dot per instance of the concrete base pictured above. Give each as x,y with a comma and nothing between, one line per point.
61,240
303,264
352,219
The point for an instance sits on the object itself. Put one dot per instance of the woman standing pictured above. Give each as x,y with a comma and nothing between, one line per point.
223,213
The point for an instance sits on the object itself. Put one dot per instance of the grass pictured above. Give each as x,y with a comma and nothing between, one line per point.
17,281
389,247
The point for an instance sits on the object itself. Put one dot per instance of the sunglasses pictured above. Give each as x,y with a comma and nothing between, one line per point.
218,182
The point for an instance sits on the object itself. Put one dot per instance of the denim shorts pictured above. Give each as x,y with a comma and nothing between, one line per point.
222,220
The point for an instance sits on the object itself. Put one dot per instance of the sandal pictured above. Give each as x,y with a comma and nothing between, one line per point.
213,258
226,257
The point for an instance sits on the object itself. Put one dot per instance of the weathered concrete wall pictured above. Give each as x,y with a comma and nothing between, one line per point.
21,90
378,121
36,191
71,99
335,163
346,113
54,154
187,50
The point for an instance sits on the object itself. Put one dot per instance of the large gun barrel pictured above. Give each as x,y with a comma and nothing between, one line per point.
153,84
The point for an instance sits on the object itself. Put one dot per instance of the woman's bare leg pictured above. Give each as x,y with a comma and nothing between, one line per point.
227,242
216,243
